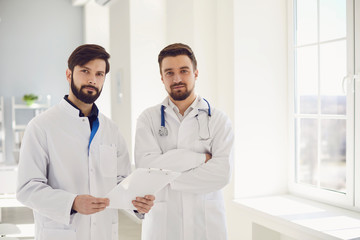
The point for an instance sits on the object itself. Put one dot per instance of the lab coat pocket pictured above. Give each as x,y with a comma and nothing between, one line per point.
108,160
58,234
154,224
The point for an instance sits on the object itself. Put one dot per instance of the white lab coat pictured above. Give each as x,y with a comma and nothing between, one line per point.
56,165
191,207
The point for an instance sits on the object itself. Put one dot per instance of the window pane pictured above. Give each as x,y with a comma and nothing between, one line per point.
306,22
307,79
307,151
332,19
332,71
333,155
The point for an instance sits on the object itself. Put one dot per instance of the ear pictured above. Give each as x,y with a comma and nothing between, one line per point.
196,73
68,75
162,79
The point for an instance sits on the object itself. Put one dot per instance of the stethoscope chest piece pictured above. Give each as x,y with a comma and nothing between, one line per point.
163,131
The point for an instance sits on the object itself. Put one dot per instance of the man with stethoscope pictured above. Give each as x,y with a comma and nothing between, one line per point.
185,134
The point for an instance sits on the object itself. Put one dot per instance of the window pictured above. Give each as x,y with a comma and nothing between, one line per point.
323,97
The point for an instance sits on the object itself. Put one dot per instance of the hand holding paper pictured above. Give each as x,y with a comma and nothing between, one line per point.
141,182
144,204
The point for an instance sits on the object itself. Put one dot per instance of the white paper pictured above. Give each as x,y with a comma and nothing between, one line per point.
141,182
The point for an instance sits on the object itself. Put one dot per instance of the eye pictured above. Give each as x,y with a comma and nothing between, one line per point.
84,71
169,73
184,71
100,74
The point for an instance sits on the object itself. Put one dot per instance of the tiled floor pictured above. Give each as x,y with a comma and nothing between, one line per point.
129,228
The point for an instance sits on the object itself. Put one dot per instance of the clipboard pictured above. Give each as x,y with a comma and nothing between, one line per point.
141,182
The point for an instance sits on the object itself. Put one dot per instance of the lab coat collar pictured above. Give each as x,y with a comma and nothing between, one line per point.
94,110
202,105
69,108
198,104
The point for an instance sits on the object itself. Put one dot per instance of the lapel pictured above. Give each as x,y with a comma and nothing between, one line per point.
200,105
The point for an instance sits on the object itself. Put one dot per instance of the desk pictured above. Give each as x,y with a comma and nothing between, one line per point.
8,200
302,219
24,222
8,178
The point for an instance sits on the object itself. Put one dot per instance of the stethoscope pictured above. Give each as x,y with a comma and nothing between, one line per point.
164,132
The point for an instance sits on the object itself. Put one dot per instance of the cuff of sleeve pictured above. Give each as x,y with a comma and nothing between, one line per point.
67,219
139,215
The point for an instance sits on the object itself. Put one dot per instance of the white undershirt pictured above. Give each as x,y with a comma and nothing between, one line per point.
187,111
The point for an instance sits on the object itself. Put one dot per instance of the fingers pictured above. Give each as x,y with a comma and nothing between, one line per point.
86,204
144,204
150,197
208,157
101,201
99,204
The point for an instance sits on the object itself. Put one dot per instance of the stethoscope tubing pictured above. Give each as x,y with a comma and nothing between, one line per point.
163,130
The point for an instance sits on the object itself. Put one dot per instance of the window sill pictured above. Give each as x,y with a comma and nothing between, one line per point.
302,219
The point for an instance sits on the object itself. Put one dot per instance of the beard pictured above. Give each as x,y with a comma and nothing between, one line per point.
85,95
178,95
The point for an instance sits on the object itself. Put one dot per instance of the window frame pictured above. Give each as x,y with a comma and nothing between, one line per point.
339,199
357,102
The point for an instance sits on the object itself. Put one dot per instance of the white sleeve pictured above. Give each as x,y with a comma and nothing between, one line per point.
33,190
216,173
149,155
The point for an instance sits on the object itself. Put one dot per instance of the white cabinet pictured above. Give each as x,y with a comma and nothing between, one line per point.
2,131
21,115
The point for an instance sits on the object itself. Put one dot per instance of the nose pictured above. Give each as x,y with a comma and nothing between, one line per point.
177,78
92,79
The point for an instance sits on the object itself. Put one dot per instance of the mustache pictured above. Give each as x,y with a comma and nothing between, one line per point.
89,86
178,84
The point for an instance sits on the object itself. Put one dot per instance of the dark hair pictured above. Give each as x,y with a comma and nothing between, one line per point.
177,49
87,52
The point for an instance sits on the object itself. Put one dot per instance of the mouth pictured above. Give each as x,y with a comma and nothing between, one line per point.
177,87
90,89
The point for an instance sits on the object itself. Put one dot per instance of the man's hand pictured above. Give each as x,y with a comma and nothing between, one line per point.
86,204
144,204
208,157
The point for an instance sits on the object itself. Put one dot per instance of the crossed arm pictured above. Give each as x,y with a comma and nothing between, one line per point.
196,177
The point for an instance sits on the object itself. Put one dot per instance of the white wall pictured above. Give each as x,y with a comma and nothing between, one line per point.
120,68
147,36
137,34
260,35
195,23
261,96
205,46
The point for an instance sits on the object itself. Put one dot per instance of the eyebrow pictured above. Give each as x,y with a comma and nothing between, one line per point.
169,69
90,69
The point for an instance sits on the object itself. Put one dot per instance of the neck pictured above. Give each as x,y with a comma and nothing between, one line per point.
84,107
184,104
